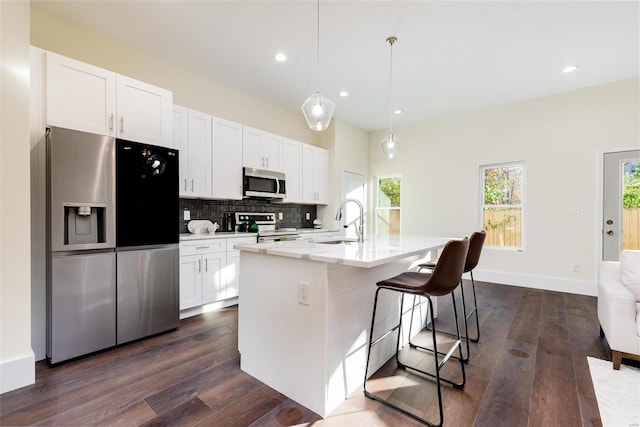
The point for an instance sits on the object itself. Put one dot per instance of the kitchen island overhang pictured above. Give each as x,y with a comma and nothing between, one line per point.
305,312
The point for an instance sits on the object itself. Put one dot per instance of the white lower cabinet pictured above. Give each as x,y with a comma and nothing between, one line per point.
209,270
190,281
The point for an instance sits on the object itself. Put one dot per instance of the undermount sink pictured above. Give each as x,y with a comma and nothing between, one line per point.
336,241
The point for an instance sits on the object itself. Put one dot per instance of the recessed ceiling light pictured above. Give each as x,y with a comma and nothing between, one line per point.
570,68
280,57
397,111
344,93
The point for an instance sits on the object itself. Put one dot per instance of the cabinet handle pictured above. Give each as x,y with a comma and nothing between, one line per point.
185,184
199,266
191,185
262,161
202,247
206,264
111,122
121,124
267,162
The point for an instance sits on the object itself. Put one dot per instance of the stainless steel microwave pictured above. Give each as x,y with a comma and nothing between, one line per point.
263,184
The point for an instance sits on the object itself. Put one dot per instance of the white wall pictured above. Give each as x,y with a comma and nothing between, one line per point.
349,151
559,137
16,357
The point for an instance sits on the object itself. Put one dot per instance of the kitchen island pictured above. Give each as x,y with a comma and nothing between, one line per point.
305,312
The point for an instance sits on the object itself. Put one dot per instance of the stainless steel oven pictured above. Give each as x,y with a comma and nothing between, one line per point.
266,226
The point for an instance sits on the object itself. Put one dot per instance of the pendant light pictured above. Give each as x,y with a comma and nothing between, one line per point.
390,142
318,109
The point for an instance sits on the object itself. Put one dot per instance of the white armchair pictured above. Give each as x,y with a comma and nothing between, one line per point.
619,306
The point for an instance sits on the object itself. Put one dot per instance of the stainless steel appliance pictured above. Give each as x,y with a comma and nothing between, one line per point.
266,223
81,267
112,273
263,184
147,252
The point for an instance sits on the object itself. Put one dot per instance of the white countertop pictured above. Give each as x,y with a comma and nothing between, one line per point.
230,234
371,253
217,235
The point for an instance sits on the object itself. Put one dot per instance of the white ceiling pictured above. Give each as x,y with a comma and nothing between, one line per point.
450,57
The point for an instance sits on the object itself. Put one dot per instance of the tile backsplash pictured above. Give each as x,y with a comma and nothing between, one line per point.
292,215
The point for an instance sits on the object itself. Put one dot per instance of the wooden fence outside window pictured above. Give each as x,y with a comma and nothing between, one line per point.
504,226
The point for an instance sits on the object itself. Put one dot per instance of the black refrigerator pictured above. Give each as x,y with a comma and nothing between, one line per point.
147,250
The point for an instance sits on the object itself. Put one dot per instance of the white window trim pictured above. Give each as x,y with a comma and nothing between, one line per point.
523,199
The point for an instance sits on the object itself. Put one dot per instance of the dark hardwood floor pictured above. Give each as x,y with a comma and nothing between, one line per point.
529,369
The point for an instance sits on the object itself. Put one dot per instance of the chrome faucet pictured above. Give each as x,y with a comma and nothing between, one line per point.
360,226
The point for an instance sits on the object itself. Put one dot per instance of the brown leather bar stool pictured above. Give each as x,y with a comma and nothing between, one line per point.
445,278
476,241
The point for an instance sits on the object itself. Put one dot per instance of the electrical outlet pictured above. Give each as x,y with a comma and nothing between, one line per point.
576,268
187,215
303,293
307,216
280,216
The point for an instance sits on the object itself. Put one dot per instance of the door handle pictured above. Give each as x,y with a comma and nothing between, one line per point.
610,232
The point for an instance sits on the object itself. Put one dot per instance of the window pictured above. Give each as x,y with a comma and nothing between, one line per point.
502,204
388,206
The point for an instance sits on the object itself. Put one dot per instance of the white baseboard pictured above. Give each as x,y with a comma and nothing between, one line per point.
17,373
189,312
580,287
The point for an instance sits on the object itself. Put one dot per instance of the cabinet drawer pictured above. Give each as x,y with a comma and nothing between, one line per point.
232,242
203,246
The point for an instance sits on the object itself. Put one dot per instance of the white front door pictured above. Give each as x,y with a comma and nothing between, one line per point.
620,227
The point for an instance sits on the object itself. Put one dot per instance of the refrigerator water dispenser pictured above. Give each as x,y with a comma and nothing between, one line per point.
84,224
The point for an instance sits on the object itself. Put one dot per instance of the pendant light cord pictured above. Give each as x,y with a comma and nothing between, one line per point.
390,41
317,46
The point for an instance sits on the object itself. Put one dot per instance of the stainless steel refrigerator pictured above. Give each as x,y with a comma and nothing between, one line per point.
100,293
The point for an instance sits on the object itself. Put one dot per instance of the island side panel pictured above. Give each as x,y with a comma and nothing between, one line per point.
282,342
350,306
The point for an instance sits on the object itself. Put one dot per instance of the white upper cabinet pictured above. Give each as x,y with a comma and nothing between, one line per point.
181,142
315,175
198,179
80,96
292,168
261,150
192,136
144,112
91,99
321,175
226,159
